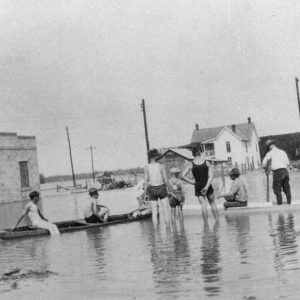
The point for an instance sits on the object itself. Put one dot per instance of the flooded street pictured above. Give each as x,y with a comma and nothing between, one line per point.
255,255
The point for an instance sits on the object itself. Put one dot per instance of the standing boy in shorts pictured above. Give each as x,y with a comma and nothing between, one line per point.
156,185
176,194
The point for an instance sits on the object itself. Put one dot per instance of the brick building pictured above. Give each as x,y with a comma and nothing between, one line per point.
19,167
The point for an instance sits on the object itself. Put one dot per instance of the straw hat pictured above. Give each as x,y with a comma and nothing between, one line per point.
174,170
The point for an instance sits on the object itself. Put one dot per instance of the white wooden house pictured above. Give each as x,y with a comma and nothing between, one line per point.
237,143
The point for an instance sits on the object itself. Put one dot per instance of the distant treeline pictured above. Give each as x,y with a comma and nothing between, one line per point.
80,176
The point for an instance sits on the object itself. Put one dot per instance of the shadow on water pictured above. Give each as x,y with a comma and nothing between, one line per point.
210,260
284,238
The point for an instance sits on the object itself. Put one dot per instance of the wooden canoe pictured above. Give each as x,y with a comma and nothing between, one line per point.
69,226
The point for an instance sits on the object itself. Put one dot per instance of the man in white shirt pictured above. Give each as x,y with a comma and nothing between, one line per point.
278,160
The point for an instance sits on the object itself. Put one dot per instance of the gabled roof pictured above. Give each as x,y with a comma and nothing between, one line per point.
186,154
243,131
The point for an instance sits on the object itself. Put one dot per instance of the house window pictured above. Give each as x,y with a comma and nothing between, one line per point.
246,145
24,174
228,148
229,160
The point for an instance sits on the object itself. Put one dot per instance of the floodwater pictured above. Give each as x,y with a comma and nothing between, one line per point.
248,256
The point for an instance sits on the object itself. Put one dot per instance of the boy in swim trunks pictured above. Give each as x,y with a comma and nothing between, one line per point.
176,194
156,185
93,212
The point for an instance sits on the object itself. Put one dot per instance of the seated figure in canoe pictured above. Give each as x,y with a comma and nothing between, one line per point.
237,196
37,219
93,211
143,200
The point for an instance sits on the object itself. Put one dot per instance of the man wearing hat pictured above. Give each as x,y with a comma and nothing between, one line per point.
94,212
237,197
279,162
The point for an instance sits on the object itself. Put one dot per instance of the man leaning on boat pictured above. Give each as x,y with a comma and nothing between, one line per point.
93,211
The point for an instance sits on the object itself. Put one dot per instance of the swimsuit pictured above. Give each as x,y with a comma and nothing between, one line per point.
200,173
157,192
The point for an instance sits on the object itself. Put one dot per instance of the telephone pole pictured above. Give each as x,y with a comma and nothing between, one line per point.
145,125
92,160
297,90
73,175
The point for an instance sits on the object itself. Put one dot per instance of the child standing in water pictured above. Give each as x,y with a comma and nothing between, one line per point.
37,219
176,194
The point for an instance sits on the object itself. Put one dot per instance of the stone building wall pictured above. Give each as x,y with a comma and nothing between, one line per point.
15,149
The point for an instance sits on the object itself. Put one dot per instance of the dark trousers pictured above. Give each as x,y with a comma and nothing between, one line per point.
281,181
233,203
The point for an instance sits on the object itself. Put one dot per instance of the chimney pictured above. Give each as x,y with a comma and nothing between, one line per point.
249,120
233,128
197,126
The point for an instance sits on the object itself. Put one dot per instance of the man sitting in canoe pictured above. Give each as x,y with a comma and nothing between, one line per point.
38,221
94,212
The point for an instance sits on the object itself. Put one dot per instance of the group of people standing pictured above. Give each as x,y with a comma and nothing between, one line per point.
168,192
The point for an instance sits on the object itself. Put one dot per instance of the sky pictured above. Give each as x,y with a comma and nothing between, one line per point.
87,65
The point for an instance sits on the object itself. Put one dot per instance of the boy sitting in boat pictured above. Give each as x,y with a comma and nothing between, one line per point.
37,219
237,197
94,212
143,200
176,197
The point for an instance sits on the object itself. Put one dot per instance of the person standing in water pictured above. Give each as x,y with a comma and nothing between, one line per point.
37,219
203,173
176,194
156,185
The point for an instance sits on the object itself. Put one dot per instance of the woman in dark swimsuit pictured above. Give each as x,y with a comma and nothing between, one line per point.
202,171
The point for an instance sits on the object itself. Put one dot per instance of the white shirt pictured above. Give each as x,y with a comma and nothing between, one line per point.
88,211
279,159
32,212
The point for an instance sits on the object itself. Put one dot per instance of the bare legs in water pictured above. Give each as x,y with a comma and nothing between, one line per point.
211,201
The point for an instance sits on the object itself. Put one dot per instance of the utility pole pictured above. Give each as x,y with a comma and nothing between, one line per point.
92,160
74,181
297,90
145,125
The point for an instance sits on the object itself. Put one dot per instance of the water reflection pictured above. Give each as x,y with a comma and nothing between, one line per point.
96,245
170,258
284,242
241,225
210,260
